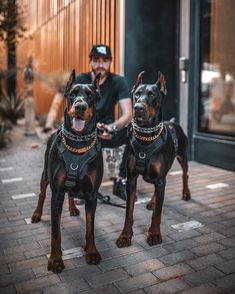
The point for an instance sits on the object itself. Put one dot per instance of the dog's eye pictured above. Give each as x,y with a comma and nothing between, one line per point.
150,94
72,95
137,94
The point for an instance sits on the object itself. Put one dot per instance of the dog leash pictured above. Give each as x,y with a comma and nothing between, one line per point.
106,200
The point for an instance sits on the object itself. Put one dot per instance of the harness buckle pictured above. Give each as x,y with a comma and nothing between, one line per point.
73,166
142,155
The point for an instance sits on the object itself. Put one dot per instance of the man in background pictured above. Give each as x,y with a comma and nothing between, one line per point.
113,89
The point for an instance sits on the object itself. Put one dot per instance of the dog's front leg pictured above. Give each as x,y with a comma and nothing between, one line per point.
92,254
154,232
125,237
55,262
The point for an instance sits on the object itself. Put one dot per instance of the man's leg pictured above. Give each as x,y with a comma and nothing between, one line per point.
120,139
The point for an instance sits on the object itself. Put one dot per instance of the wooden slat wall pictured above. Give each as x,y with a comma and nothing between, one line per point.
63,32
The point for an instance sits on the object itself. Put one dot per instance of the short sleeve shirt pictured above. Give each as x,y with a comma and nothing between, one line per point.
114,89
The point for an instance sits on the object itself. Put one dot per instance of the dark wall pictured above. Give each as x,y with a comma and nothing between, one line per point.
151,44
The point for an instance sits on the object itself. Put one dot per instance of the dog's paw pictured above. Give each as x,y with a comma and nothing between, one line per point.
93,258
123,241
36,217
186,196
154,239
74,211
56,265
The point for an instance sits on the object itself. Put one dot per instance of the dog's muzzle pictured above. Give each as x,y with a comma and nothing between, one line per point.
80,107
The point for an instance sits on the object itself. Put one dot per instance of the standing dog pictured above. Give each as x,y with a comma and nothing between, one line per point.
73,164
154,145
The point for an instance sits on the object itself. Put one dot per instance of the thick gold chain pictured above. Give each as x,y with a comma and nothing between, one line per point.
148,139
79,150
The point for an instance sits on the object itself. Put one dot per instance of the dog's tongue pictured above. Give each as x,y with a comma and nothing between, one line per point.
78,124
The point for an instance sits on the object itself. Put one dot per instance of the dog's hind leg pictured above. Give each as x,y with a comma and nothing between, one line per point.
154,232
183,161
55,262
73,210
36,217
92,254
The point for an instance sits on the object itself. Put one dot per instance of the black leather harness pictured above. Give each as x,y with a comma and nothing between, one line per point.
143,153
75,165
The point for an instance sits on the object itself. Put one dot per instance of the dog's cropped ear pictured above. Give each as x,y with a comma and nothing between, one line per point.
138,81
161,83
70,82
96,81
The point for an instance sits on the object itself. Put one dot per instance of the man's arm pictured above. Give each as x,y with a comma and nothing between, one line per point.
125,118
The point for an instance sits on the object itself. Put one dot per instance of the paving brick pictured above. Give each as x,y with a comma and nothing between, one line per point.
228,253
143,267
36,284
203,289
9,279
172,286
184,235
8,290
97,280
177,257
173,272
203,276
228,242
107,289
180,245
207,248
227,267
212,237
205,261
29,263
226,283
137,282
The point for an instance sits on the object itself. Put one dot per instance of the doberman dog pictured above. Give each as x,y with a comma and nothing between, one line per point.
73,164
154,144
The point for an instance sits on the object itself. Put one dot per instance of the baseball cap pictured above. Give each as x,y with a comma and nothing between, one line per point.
100,50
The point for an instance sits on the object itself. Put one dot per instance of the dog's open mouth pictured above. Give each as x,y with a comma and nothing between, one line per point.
78,124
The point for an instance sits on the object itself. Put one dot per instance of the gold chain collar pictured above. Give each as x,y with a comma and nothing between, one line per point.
151,138
79,150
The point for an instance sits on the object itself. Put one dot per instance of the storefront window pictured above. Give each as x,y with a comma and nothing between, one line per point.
217,54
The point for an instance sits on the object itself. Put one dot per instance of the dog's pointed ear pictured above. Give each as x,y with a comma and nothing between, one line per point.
70,82
161,83
138,81
96,81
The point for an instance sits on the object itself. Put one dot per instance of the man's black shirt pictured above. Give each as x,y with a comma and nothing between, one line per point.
112,90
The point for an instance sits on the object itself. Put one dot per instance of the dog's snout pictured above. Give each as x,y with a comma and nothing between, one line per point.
139,107
81,107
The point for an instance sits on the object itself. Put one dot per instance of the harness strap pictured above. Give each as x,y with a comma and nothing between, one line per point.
144,152
172,132
75,163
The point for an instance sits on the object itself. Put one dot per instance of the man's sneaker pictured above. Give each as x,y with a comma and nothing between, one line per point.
119,188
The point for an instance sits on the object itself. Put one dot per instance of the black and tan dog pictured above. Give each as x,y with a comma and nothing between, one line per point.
154,146
73,164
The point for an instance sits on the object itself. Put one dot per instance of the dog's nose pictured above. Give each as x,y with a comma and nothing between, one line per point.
81,107
139,107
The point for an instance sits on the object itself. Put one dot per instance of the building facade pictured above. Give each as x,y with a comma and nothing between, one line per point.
190,41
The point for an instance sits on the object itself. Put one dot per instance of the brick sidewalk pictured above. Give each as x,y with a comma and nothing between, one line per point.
199,260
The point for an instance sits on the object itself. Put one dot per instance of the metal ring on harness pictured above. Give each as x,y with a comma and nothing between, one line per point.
73,166
142,155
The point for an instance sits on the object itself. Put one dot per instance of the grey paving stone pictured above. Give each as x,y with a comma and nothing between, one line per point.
173,272
177,257
203,289
143,267
172,286
12,278
138,282
8,290
107,289
205,261
212,237
36,284
203,276
227,267
226,283
207,248
228,253
180,245
97,280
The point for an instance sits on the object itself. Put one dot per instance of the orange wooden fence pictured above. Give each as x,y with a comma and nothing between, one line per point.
63,32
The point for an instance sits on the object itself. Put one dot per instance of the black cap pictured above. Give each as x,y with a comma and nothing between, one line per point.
100,50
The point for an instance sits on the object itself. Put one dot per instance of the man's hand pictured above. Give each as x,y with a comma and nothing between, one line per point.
104,131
